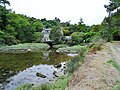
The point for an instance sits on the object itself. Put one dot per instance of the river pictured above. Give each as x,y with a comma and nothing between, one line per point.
17,69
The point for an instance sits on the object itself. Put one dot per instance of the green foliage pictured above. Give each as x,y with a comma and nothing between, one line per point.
77,37
114,4
56,34
110,27
38,36
38,26
66,31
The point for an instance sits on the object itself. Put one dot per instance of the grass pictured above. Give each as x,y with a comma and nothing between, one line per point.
73,49
60,84
24,47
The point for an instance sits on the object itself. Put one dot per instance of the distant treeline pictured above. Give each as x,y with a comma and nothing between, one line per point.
19,28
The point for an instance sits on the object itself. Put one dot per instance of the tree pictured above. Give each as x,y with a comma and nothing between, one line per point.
114,4
4,2
38,26
77,37
38,36
56,34
66,31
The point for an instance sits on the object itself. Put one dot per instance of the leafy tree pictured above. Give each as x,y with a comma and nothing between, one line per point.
77,37
4,2
66,31
56,34
38,36
38,26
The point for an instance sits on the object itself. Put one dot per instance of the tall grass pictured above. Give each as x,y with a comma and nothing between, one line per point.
75,62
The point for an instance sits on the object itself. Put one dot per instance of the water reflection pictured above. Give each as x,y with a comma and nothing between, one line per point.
16,69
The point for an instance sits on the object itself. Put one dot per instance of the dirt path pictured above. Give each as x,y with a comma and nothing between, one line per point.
95,73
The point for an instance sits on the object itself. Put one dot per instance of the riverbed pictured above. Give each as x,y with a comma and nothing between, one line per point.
20,68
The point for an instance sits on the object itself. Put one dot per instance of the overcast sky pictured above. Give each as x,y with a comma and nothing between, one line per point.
92,11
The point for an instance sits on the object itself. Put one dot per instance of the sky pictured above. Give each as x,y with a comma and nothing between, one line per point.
91,11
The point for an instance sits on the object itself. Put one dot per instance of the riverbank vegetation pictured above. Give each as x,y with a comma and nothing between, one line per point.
73,49
26,47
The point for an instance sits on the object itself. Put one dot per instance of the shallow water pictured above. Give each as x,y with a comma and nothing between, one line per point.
17,69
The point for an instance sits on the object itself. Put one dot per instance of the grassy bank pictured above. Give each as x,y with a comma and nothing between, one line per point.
24,47
73,49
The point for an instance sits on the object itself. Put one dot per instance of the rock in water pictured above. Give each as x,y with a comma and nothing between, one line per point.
40,75
57,74
58,65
